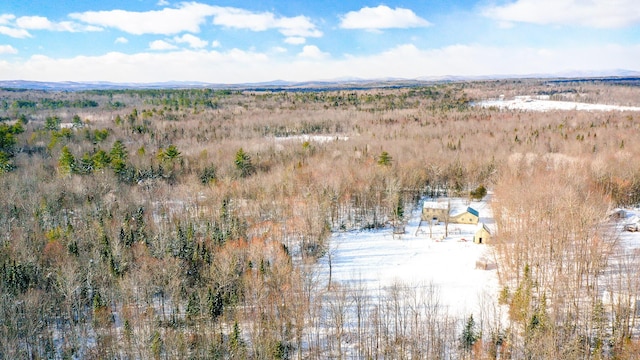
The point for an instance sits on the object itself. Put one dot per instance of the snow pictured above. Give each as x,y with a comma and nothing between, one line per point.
620,285
422,256
317,138
543,104
435,205
629,241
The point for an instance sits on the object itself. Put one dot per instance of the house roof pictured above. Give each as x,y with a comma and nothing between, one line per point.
483,226
453,210
488,227
457,211
435,205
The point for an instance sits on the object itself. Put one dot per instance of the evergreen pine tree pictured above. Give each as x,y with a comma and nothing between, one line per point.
101,159
77,122
243,163
86,164
236,344
118,155
193,307
214,304
469,334
6,164
67,162
118,151
52,123
385,159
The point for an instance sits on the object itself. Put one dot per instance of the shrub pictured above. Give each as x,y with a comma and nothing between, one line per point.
478,193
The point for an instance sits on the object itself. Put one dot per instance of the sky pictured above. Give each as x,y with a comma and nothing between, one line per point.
252,41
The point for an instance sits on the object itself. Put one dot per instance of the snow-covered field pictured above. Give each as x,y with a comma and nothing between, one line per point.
316,138
419,257
629,241
543,104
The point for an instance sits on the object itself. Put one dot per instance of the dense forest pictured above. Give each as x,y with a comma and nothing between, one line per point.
164,224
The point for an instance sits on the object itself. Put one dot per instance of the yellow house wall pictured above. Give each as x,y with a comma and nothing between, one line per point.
482,233
464,218
428,214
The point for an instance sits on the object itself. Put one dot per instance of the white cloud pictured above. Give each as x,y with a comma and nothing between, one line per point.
6,19
192,40
239,66
211,66
7,49
75,27
14,33
312,52
190,16
169,44
475,60
19,27
121,40
299,26
243,19
162,3
295,40
187,17
593,13
215,43
34,23
161,45
382,17
42,23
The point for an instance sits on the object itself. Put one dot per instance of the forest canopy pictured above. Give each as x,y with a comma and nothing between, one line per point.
188,223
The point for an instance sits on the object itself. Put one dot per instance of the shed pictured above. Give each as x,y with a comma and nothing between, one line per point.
483,235
617,214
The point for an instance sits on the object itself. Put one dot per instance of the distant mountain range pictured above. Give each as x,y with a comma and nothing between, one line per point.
337,84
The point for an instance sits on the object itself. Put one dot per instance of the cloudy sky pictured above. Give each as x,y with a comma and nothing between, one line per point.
230,41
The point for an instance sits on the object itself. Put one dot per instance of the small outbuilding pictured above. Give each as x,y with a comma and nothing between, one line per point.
483,234
617,214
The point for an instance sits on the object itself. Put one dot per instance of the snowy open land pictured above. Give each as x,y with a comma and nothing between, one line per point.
317,138
532,103
419,258
629,241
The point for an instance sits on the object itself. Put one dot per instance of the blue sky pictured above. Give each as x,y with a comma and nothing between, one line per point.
253,41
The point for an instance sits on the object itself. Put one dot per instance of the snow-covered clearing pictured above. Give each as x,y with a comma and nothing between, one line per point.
629,241
419,257
620,284
317,138
532,103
